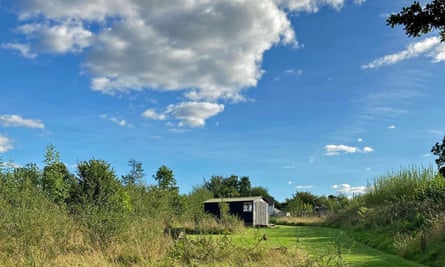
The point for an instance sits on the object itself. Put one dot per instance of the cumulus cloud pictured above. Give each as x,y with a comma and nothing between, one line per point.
191,114
431,47
209,50
5,144
347,189
18,121
62,37
335,150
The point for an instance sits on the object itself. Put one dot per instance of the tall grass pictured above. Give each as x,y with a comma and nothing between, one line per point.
404,185
402,213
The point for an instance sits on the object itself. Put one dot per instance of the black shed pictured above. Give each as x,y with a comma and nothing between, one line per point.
252,210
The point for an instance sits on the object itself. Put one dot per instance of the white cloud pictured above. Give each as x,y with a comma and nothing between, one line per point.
359,139
153,115
335,150
391,127
313,5
348,189
191,114
24,49
367,149
5,144
120,122
194,114
304,186
59,37
208,50
293,72
9,165
431,47
18,121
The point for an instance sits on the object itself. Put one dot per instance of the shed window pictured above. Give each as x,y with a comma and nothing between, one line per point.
247,207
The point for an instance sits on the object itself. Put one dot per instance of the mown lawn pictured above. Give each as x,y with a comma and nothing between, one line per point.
325,245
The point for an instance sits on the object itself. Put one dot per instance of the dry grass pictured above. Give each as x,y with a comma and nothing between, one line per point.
307,220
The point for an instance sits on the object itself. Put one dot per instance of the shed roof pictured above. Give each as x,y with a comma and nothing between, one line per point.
234,199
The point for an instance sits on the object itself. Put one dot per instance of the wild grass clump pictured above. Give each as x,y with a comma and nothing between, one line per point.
33,229
401,214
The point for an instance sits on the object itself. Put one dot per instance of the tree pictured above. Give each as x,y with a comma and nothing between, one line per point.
165,178
262,191
439,151
244,187
56,179
418,20
100,200
136,173
97,182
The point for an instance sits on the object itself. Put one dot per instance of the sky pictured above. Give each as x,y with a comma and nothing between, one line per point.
299,95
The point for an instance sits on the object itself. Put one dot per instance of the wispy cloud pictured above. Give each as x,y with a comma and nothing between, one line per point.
314,6
391,127
120,122
336,150
18,121
431,47
5,144
23,49
303,186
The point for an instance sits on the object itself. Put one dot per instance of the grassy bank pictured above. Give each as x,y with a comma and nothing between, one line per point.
403,214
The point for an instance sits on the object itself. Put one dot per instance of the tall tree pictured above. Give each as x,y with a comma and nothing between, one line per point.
439,151
244,187
165,178
100,199
136,173
56,179
418,20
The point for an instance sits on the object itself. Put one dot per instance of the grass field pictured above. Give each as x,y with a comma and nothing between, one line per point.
326,246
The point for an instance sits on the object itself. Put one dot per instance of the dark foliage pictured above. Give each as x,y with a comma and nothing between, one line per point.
418,20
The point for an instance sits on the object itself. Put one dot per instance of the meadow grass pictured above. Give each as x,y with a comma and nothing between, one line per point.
299,220
321,246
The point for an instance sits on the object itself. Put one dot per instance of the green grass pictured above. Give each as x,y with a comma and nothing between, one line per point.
327,246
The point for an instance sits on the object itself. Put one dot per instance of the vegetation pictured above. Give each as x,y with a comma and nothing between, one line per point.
403,214
439,151
418,20
54,217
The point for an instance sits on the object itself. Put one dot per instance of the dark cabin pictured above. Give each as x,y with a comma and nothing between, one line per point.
252,210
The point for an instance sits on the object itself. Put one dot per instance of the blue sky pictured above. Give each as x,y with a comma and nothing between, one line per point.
299,95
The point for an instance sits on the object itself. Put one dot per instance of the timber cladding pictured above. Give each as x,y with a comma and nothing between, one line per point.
252,210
